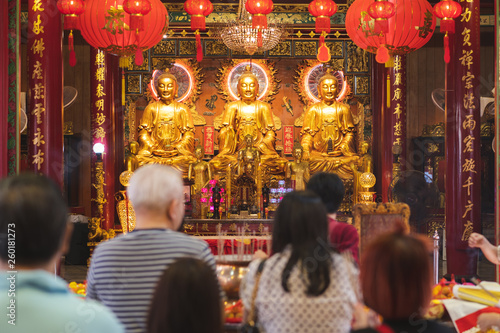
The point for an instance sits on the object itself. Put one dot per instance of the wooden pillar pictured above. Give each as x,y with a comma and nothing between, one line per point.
462,145
14,86
397,111
382,155
102,120
497,126
45,78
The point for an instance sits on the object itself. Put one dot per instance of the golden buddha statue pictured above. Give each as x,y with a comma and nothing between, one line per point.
248,158
166,130
328,132
200,170
248,116
298,170
131,162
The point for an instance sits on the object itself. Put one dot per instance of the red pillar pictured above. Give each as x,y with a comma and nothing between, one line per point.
463,156
4,90
45,77
102,119
397,111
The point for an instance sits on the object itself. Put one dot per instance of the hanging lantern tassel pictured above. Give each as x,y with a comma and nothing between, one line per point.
199,49
259,38
259,21
71,47
198,22
136,22
322,23
139,58
382,55
446,43
323,50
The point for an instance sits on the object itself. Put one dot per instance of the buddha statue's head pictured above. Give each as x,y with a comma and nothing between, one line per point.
328,87
364,147
297,152
248,140
133,147
199,152
167,86
248,85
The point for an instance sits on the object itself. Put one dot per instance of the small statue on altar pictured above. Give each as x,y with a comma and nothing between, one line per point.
248,158
248,116
328,132
200,170
131,162
298,170
166,130
363,165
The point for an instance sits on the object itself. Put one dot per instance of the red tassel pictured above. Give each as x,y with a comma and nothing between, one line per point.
136,23
139,58
381,25
446,42
71,48
382,55
323,24
259,21
259,38
198,22
70,22
447,25
199,49
323,51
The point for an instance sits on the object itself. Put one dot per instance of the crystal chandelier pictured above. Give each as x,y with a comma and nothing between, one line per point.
238,35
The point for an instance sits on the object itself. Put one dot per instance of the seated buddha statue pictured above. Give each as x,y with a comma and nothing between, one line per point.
328,132
248,116
248,158
166,130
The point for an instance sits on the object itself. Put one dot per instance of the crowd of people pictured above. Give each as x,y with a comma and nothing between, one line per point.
157,279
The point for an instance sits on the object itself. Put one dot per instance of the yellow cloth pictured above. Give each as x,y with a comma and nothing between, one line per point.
478,295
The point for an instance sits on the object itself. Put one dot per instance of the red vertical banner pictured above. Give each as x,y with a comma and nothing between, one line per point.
102,121
45,108
462,144
208,145
287,139
397,111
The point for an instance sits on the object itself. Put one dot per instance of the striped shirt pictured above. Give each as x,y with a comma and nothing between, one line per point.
124,271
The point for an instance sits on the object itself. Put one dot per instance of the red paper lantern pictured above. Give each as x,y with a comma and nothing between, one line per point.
447,10
409,29
259,9
137,9
105,25
71,9
198,9
322,10
381,10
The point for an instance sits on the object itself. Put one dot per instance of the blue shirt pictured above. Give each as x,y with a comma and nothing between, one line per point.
37,301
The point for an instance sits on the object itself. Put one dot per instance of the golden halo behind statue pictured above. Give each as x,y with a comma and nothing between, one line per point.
230,72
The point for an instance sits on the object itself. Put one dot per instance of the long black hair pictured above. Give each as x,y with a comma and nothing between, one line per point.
301,221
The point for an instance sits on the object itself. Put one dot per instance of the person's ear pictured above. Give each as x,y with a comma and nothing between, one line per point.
67,238
173,213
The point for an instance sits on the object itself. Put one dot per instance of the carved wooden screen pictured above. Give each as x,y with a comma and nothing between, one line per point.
374,219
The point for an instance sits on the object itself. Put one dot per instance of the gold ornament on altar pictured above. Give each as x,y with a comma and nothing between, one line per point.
367,180
298,170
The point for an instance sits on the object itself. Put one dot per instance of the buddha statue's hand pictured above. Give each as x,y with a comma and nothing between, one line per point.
167,152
